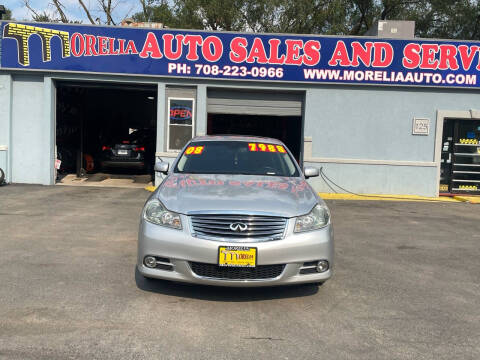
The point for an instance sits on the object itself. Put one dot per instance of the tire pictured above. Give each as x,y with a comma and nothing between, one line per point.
2,177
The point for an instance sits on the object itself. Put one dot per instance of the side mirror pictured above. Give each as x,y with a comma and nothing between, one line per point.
309,172
162,166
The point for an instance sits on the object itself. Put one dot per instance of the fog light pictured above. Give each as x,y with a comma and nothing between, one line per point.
150,261
322,266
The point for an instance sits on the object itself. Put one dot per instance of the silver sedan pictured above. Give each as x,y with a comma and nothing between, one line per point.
235,211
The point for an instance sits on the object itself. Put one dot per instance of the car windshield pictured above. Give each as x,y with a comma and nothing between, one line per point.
236,157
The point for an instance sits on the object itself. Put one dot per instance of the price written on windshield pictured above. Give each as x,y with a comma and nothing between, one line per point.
194,150
266,147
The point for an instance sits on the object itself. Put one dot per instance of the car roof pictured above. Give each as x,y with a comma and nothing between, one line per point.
237,138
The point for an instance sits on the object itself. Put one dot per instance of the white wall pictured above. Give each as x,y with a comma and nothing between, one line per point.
31,134
5,115
356,123
362,136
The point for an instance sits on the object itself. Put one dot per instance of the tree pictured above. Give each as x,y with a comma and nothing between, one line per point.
261,16
245,15
7,15
87,12
56,11
154,11
107,8
38,16
312,17
454,19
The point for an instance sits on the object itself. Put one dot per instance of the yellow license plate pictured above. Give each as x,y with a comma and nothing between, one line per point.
237,256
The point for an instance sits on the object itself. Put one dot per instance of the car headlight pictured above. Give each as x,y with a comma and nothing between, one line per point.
316,219
158,214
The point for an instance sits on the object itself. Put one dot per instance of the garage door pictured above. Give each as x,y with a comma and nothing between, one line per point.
226,101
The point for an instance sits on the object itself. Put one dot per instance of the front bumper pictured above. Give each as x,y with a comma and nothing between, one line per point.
131,164
181,248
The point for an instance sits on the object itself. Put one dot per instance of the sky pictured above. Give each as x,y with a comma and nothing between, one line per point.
73,10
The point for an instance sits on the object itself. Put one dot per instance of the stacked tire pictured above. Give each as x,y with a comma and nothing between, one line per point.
2,177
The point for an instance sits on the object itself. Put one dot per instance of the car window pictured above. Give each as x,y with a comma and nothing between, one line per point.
236,157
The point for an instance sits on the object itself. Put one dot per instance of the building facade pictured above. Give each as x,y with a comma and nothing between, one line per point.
378,116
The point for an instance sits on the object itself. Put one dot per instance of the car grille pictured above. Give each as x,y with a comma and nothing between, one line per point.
260,272
260,228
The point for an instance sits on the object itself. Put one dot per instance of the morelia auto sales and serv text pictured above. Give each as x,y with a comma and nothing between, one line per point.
298,58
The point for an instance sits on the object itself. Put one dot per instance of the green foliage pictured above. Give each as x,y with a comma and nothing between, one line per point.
300,16
7,15
43,17
313,16
155,11
456,19
450,19
453,19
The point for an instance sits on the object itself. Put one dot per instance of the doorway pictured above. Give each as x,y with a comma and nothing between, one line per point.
105,134
460,160
274,114
285,128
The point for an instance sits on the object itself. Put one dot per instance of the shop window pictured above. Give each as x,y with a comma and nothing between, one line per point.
181,122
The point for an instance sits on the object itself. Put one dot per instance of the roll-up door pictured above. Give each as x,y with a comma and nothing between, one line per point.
226,101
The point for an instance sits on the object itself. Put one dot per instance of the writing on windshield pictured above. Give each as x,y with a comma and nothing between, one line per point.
236,157
266,147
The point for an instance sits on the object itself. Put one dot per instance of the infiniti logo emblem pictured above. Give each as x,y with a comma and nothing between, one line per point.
238,226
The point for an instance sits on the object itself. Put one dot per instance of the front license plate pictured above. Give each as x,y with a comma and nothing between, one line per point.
122,152
237,256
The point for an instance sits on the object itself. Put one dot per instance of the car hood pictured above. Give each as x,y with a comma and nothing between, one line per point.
277,196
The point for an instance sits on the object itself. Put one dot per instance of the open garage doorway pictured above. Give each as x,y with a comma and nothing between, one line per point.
260,113
285,128
105,134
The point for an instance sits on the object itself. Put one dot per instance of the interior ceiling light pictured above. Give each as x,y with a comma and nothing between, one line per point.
151,97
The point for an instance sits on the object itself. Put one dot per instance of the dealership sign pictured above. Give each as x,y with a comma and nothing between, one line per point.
239,56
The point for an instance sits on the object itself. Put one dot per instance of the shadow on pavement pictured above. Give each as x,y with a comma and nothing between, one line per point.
218,293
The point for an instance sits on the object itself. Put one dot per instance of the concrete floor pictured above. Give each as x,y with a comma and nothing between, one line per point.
407,286
139,181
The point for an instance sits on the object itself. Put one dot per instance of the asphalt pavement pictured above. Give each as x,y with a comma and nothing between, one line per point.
406,286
